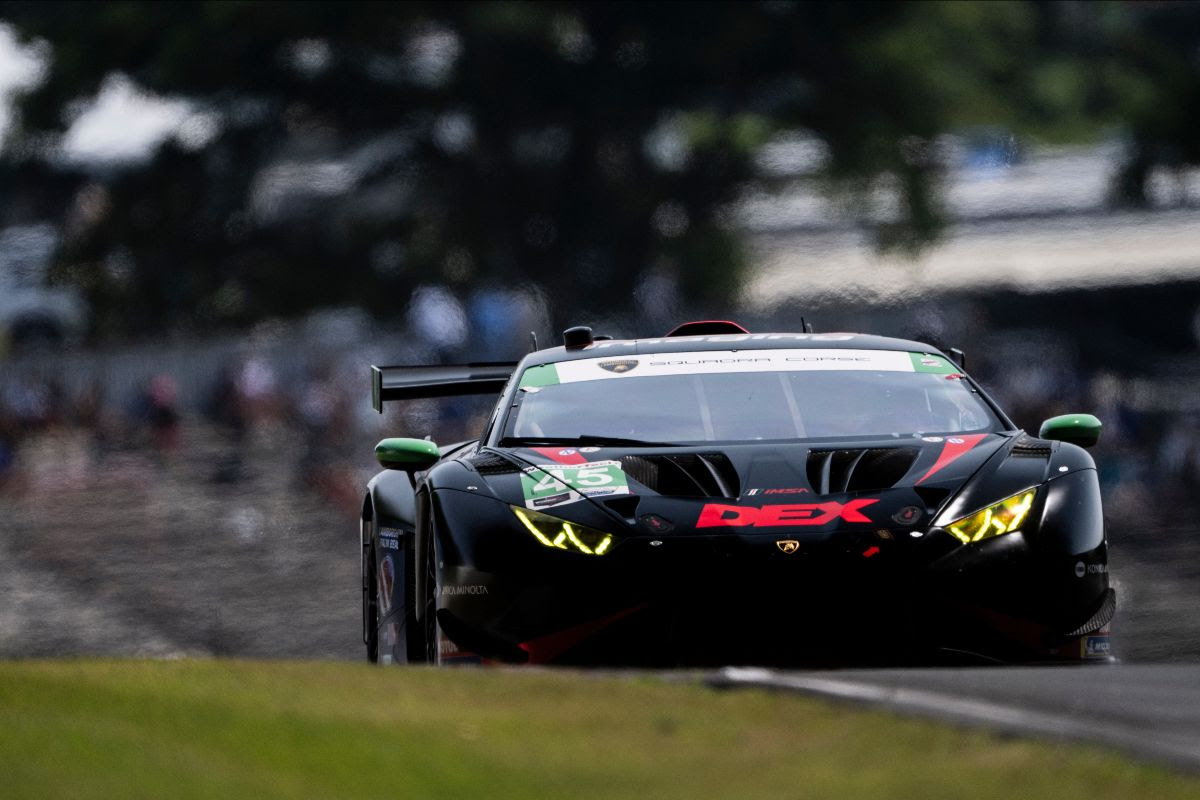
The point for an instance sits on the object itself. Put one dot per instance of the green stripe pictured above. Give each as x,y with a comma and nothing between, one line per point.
942,367
544,375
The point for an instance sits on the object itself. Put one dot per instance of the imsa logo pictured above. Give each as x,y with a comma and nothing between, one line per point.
620,365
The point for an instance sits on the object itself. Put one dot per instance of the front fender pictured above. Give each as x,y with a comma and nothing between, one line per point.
393,499
1072,522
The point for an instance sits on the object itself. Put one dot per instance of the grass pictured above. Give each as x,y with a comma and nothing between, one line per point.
225,729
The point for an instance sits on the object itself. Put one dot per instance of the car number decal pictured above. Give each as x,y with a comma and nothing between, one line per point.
550,485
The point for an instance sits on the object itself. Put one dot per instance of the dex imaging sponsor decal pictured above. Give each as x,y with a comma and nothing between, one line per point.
717,515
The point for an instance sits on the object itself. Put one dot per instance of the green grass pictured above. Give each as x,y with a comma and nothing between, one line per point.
78,729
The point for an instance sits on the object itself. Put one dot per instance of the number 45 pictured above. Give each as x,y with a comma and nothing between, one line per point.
587,476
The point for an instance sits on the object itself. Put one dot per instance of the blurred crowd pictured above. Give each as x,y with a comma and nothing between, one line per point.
247,423
1148,457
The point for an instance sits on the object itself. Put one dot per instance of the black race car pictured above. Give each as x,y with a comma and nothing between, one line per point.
716,496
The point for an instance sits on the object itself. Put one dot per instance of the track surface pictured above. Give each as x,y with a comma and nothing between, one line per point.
1148,710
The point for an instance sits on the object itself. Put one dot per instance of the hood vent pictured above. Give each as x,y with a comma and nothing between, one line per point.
839,471
690,475
1029,447
932,496
625,505
492,464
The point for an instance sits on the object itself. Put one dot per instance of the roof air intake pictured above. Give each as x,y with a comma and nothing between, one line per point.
577,338
707,327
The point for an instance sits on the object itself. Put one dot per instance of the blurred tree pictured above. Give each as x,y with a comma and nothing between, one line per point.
346,152
1155,84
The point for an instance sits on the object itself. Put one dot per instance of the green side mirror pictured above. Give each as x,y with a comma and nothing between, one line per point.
410,455
1080,429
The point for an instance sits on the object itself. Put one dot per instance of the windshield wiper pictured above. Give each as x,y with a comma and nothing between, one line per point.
583,440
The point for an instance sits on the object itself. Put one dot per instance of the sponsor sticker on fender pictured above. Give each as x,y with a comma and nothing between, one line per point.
717,515
1082,569
550,485
461,589
1095,646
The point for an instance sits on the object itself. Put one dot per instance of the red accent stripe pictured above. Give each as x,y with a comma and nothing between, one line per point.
561,455
951,451
551,646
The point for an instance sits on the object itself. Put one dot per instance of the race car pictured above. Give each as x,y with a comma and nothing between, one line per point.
715,496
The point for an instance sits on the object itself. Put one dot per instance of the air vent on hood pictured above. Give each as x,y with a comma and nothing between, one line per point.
1030,447
932,496
625,505
688,475
836,471
492,464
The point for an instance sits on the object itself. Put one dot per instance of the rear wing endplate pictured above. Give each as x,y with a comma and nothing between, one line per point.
410,383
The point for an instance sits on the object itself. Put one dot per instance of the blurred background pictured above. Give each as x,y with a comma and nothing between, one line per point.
215,216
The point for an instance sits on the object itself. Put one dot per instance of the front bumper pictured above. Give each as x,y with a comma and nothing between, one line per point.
863,598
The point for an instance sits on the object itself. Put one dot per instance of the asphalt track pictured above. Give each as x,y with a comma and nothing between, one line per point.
1151,711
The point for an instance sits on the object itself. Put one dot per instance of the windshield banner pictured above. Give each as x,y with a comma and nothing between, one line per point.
711,362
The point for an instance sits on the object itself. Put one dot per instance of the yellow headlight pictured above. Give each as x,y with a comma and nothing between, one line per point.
1004,517
563,535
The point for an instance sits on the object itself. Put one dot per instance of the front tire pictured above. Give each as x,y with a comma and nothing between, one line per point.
429,626
370,594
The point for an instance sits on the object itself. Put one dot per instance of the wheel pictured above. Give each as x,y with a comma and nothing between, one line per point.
370,594
429,626
413,628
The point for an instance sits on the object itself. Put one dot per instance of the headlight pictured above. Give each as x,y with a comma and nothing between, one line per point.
563,535
1003,517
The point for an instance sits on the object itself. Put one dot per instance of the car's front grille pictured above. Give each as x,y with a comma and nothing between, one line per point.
688,475
837,471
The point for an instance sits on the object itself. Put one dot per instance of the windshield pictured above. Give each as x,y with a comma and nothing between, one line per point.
747,396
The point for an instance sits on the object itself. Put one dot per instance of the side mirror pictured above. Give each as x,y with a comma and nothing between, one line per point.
1080,429
409,455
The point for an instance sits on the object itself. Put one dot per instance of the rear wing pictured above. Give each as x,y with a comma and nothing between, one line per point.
410,383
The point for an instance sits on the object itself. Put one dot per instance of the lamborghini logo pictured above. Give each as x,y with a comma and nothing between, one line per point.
788,545
624,365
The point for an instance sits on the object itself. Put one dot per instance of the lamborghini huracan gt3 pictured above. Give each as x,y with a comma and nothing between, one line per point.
716,496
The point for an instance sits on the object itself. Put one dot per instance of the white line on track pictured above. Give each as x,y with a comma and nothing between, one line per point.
1180,751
